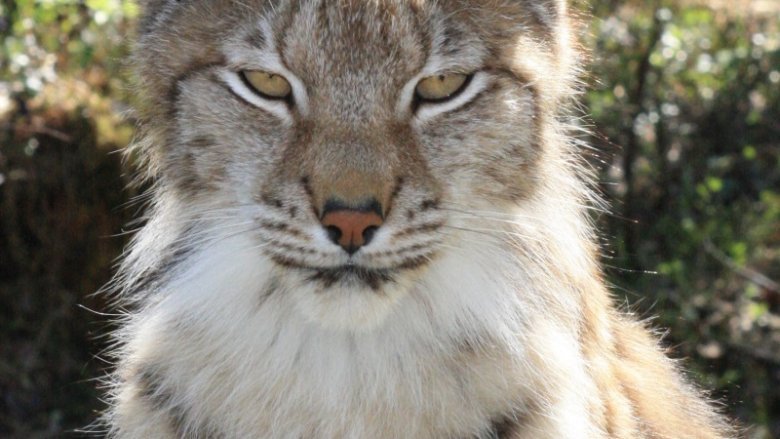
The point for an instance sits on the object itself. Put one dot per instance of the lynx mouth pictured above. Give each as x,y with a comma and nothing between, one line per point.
351,274
348,274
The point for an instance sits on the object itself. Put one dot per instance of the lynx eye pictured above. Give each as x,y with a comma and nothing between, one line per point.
267,85
440,88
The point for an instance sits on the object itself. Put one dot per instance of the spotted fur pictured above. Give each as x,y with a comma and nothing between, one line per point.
477,310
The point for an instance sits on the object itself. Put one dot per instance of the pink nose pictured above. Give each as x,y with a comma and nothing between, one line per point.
351,229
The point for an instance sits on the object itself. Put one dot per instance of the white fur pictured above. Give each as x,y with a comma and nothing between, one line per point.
249,348
364,365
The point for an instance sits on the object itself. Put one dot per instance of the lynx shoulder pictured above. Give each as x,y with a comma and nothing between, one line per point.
369,221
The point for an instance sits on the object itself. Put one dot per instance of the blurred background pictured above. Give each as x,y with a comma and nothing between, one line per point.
684,104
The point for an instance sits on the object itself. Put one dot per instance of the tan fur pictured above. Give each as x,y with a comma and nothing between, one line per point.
479,311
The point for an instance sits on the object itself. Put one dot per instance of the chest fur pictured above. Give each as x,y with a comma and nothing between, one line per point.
285,379
227,353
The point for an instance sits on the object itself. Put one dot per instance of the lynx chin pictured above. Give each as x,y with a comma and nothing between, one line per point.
369,219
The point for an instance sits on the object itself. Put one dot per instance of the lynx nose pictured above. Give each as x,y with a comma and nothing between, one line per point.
351,227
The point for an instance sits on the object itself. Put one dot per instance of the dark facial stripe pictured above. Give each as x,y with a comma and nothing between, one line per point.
373,278
422,228
150,279
257,39
193,69
504,427
160,399
269,290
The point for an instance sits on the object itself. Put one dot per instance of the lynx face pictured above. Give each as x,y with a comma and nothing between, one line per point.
347,139
369,221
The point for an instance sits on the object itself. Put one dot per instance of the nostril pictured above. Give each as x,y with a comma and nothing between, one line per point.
368,234
351,227
334,233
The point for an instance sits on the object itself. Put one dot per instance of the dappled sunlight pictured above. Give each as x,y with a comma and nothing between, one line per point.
684,104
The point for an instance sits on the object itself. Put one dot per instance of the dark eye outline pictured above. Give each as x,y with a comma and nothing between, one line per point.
419,100
288,98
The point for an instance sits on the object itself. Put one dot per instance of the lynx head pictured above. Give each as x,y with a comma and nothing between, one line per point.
353,143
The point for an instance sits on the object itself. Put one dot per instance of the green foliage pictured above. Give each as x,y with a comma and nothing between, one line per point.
685,102
691,96
61,93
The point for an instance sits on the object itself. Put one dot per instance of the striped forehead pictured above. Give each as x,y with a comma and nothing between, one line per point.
368,39
331,39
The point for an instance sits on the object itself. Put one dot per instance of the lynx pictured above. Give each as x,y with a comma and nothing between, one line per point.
370,219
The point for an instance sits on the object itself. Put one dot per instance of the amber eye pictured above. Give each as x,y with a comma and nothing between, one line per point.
267,85
441,87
